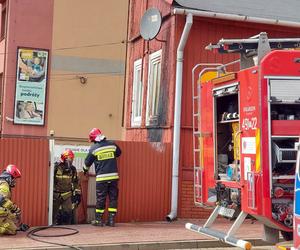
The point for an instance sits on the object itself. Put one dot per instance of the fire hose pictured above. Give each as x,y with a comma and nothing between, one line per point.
33,234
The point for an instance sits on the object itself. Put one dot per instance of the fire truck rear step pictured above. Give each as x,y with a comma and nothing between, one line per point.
222,236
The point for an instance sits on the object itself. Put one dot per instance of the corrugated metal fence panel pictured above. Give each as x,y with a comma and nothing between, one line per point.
145,184
31,191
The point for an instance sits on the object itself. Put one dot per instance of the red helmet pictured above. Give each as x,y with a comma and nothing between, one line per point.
94,133
68,154
13,171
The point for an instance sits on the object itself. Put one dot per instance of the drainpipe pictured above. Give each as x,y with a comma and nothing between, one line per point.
177,116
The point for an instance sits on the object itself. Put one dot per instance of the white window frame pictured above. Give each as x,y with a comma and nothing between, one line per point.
137,94
153,92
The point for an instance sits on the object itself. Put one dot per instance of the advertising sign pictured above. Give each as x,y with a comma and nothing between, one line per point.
31,83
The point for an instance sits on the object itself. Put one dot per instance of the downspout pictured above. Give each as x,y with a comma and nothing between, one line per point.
177,116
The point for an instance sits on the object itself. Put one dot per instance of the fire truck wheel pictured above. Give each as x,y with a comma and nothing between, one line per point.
287,235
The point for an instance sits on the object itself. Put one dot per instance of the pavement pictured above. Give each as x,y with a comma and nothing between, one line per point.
133,236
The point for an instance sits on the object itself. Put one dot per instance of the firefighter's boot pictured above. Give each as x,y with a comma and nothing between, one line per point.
98,220
111,220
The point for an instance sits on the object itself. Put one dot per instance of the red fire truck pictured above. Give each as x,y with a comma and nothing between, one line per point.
246,125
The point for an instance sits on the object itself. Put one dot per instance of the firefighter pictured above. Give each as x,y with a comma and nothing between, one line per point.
67,193
103,154
10,213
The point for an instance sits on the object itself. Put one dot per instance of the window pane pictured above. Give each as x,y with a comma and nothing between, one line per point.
153,88
137,94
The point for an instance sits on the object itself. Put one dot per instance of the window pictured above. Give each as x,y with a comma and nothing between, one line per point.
137,94
153,88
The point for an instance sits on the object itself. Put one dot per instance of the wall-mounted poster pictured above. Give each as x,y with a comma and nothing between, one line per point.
31,83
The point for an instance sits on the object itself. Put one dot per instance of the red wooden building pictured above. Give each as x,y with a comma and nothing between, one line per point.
159,72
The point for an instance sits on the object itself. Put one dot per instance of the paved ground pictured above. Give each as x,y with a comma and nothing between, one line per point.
154,235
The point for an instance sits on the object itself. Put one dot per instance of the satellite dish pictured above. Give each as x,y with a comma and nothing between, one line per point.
150,24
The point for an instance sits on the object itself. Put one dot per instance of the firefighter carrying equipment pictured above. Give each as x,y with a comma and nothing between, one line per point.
66,186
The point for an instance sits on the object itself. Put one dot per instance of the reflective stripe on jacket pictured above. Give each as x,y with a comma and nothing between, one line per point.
104,155
65,178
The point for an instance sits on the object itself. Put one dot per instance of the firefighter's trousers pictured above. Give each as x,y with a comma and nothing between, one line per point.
7,224
62,208
104,189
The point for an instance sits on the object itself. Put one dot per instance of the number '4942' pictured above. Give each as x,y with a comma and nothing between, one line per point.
249,123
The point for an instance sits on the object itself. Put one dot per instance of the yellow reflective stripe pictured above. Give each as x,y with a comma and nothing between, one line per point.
7,204
4,188
5,225
107,178
63,176
105,154
257,160
66,193
101,211
105,151
110,209
85,167
3,211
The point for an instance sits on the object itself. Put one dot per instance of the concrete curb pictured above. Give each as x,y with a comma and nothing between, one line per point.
192,244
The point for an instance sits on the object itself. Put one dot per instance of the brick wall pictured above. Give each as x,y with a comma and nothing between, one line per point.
187,208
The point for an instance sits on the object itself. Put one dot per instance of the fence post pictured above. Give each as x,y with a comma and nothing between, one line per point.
51,177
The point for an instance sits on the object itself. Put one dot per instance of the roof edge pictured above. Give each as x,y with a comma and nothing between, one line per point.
235,17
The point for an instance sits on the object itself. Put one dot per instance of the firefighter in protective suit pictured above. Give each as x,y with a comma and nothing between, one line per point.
67,193
10,213
103,154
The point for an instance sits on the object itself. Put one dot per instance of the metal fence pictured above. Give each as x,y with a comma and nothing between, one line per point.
31,191
145,179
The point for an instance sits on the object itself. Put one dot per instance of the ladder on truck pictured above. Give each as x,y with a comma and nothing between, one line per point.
258,45
197,131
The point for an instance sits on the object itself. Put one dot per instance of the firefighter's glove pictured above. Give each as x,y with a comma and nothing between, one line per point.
23,227
76,199
17,213
85,170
